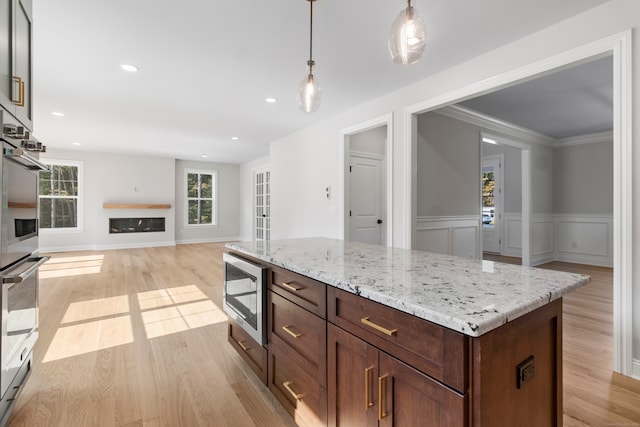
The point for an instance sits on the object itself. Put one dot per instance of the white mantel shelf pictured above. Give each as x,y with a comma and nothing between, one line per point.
136,206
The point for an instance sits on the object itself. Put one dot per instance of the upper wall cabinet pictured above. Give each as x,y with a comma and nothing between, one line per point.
15,59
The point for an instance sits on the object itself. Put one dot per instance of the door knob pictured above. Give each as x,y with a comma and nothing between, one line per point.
379,221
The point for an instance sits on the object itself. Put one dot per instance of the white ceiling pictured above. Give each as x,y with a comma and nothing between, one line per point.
572,102
207,66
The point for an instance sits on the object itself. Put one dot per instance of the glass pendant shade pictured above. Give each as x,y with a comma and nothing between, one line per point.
309,94
408,37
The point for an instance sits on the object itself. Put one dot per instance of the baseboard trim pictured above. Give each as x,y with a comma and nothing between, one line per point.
106,247
636,369
208,240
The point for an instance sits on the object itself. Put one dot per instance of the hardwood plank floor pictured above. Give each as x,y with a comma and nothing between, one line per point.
137,338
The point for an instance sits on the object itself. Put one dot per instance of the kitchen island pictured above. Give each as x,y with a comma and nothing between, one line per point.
368,335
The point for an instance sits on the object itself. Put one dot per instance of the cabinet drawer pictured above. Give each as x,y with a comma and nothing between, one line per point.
299,394
253,353
301,334
432,349
305,292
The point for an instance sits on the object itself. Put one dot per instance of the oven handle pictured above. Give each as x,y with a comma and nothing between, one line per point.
18,278
15,153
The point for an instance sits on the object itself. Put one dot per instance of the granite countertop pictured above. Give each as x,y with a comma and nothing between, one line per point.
466,295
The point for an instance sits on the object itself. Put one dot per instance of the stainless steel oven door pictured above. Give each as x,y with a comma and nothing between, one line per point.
244,295
19,316
19,211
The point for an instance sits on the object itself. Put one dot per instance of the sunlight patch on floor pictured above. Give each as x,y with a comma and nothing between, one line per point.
88,337
61,266
172,310
92,325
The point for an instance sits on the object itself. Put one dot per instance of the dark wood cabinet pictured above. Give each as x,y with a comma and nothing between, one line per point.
338,359
253,353
368,387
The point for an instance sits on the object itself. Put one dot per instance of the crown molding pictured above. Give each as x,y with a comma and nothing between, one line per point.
592,138
496,125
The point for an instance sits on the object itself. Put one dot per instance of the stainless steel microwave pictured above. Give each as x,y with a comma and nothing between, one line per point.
244,295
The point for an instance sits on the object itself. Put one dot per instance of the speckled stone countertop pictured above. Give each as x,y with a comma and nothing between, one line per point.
466,295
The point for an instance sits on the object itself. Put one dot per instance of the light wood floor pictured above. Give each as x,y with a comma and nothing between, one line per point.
137,338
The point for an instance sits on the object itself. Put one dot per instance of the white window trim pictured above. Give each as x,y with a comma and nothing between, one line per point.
80,214
214,219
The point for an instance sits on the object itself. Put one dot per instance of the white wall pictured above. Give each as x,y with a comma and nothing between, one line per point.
228,204
369,141
305,162
448,181
116,178
583,178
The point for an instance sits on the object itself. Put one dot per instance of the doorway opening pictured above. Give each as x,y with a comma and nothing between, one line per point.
365,182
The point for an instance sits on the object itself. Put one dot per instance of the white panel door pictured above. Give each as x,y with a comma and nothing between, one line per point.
491,205
365,193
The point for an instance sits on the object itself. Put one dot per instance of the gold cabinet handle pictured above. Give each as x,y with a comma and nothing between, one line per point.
290,332
242,346
291,287
287,385
20,82
377,327
382,389
368,373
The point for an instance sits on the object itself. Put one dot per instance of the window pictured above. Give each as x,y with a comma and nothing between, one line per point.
60,193
201,197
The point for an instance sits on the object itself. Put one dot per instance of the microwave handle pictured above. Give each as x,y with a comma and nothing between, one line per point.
18,278
14,153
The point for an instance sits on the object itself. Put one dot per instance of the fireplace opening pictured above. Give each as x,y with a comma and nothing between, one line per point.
136,225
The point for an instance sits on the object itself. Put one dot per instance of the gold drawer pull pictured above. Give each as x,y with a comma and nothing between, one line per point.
382,389
290,332
368,403
242,346
291,287
20,101
287,385
377,327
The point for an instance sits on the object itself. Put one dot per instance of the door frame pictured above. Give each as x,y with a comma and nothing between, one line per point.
499,208
619,47
343,166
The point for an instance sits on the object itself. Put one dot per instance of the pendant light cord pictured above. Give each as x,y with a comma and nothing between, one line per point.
310,35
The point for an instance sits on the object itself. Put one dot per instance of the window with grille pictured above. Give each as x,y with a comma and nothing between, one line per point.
201,197
60,195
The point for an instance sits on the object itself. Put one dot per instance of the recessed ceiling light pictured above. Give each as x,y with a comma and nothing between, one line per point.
128,67
75,143
235,138
271,100
57,114
204,156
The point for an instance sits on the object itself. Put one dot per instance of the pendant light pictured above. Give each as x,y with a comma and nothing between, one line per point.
407,38
309,92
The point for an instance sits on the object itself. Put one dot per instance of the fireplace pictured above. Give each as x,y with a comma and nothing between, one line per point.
136,225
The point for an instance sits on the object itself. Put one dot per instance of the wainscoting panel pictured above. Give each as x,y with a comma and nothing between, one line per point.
542,236
459,236
585,239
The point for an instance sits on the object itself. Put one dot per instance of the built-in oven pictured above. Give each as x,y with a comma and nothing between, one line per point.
19,260
244,295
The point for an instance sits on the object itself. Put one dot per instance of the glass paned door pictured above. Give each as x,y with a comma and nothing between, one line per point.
263,205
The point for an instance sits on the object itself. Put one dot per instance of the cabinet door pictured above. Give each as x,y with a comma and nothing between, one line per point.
410,398
22,71
6,52
352,380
